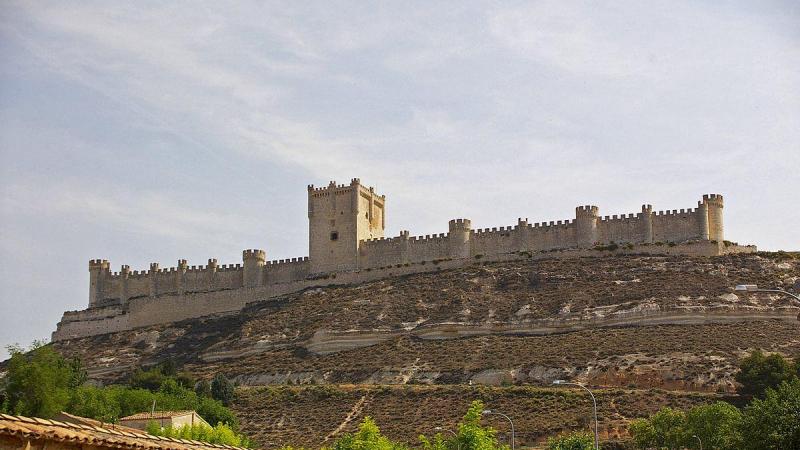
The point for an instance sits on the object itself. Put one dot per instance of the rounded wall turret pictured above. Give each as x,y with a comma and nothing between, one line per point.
647,223
586,225
458,236
716,230
254,261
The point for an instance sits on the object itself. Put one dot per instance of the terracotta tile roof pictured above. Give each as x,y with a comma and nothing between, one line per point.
157,415
56,431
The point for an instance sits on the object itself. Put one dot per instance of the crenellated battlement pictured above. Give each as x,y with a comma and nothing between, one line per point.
346,224
254,254
589,210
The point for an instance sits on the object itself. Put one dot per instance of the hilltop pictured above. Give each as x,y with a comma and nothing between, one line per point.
630,323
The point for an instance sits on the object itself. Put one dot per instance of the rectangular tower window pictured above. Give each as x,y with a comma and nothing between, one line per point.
334,235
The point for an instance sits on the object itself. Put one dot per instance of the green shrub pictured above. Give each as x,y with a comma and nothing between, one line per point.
572,441
368,437
773,422
470,436
758,372
220,434
222,389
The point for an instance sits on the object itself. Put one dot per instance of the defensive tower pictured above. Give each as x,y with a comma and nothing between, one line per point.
458,236
339,218
98,272
586,223
254,261
714,204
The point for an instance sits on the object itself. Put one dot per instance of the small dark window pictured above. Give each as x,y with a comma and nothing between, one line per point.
334,235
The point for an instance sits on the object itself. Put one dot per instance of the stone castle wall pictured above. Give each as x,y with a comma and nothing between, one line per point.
146,311
346,233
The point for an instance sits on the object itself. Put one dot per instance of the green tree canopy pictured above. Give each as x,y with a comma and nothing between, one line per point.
470,436
39,382
716,424
759,372
663,430
222,389
773,422
368,437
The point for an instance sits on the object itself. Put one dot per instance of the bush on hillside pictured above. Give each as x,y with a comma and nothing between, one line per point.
758,372
571,441
222,389
470,436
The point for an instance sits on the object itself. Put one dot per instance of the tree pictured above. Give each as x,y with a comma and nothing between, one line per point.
471,435
759,372
664,429
150,379
716,424
572,441
39,381
203,389
222,389
774,421
368,437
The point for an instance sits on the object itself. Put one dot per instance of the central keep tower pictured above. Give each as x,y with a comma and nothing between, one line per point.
339,218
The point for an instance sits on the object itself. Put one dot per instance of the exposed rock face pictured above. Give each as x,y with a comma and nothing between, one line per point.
644,321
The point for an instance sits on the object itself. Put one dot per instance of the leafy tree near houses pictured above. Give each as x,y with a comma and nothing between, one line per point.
759,372
571,441
663,430
716,424
39,381
222,389
774,421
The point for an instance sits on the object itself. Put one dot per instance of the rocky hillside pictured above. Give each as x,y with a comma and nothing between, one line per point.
318,414
630,323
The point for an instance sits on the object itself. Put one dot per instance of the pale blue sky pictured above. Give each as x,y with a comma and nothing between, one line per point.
142,132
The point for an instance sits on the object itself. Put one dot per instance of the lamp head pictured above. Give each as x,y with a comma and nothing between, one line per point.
438,428
746,287
558,381
486,412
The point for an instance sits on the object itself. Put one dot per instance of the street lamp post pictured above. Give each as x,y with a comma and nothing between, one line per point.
487,412
698,440
594,406
458,444
755,288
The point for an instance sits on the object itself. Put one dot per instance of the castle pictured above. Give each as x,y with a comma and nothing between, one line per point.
347,245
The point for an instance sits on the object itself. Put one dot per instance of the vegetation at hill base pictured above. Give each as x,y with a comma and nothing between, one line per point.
41,383
771,423
220,434
571,441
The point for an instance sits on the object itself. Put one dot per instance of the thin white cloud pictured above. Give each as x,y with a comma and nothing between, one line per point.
150,213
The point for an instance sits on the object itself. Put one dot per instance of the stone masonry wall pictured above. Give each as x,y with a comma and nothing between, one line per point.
129,299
